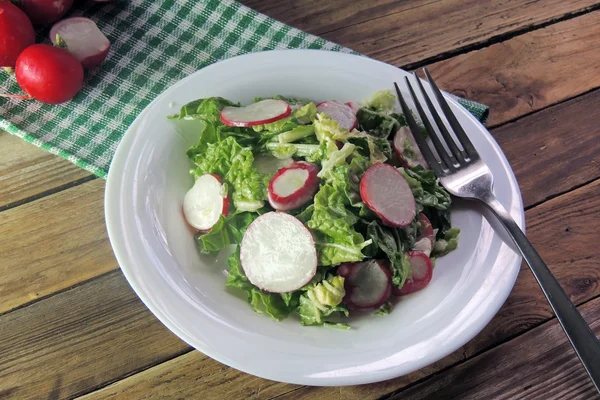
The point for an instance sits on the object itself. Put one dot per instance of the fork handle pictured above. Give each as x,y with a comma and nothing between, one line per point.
582,338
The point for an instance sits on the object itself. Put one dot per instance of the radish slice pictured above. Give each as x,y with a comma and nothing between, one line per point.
354,106
204,203
421,271
340,112
263,112
293,186
368,284
278,253
84,40
385,191
347,269
426,236
407,149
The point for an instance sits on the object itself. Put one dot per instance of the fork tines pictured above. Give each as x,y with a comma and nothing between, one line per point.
448,161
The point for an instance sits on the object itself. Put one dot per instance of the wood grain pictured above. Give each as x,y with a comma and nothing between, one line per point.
529,72
543,146
79,339
182,377
570,253
27,171
405,32
55,242
540,364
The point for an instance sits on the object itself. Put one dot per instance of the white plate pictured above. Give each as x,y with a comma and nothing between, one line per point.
149,177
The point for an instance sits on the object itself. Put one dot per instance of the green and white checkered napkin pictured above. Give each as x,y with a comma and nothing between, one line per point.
154,44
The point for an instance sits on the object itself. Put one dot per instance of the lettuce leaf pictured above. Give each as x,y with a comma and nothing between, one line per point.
328,131
321,300
208,110
271,304
234,163
227,231
382,101
332,223
426,188
376,123
393,243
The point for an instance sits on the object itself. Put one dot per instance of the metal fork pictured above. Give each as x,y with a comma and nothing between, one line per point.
464,174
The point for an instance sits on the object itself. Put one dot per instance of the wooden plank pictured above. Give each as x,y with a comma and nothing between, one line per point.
405,32
543,146
27,171
508,76
540,364
173,379
54,243
79,339
570,253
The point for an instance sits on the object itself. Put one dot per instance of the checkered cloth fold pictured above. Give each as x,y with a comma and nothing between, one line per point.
154,44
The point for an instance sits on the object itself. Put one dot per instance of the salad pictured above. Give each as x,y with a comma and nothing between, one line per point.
330,206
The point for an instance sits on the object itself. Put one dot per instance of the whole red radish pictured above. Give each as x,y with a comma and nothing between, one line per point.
16,33
49,74
43,12
83,38
421,271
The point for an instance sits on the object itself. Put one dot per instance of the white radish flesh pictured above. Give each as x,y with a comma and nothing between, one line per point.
340,112
293,186
84,40
204,203
421,272
262,112
368,285
407,150
278,253
385,191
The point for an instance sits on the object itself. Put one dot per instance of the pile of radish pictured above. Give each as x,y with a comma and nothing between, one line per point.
50,74
280,250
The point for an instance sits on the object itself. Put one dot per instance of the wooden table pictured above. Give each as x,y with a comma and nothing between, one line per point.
71,326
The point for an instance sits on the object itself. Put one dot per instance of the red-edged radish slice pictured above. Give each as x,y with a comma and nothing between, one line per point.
426,236
407,149
204,203
385,191
354,106
421,271
340,112
262,112
347,269
84,40
293,186
368,285
278,253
